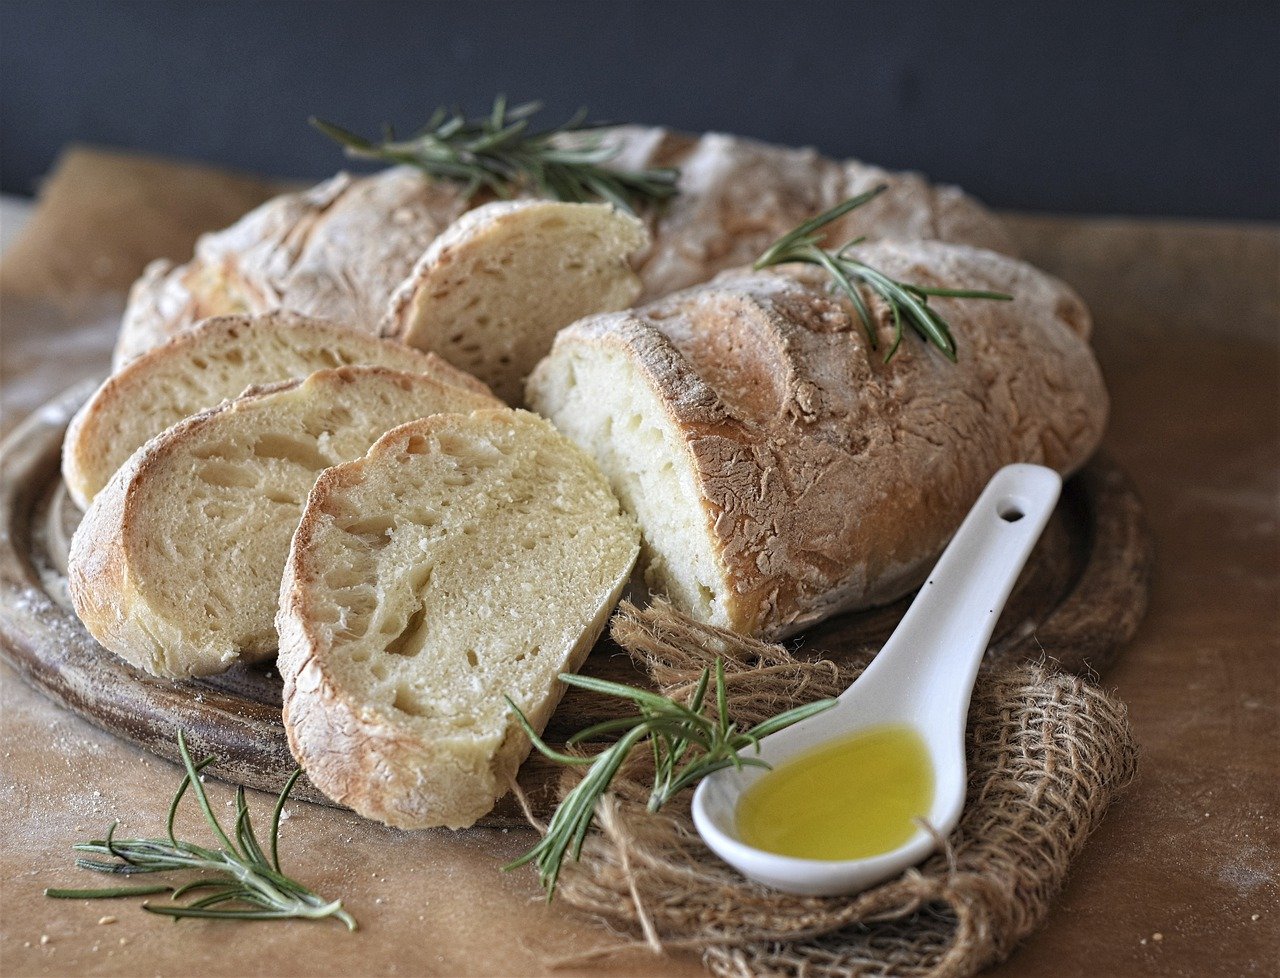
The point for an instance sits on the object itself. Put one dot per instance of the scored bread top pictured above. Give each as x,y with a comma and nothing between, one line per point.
738,195
463,559
216,360
493,289
176,565
812,476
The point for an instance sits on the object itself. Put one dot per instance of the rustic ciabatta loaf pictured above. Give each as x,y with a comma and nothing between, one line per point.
204,366
336,251
779,469
491,292
342,249
176,566
464,559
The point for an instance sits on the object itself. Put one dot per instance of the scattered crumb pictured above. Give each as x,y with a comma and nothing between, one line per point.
284,814
44,938
1157,936
107,919
124,941
1254,917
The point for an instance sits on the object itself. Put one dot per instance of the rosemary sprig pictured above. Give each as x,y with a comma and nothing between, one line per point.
687,746
907,303
242,883
502,153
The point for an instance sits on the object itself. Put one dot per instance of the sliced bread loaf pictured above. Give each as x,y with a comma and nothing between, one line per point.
343,248
176,566
463,558
337,250
780,470
493,289
200,368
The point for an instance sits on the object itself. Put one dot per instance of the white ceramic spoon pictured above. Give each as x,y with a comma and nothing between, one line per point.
923,677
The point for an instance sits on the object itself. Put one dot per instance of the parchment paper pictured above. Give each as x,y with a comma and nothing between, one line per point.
1182,879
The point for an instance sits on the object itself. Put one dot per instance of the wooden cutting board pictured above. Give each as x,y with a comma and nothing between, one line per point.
1079,600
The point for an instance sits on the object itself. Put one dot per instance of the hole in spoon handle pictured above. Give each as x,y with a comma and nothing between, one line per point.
1010,509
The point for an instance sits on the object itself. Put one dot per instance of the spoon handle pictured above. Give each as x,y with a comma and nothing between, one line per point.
935,651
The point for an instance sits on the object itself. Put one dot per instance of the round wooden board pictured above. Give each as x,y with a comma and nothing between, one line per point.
1079,600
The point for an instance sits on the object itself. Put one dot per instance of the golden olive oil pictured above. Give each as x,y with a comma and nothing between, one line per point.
855,797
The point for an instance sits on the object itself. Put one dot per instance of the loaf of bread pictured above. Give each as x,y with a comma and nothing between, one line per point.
493,289
341,250
779,469
463,559
204,366
336,251
176,566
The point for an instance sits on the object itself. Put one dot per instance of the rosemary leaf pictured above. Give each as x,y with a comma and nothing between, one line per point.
908,303
686,743
109,893
502,154
245,885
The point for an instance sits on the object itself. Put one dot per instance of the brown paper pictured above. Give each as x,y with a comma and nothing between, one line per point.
1187,337
102,216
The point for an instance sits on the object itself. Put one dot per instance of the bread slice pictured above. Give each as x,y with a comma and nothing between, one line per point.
216,360
463,558
176,566
780,470
493,289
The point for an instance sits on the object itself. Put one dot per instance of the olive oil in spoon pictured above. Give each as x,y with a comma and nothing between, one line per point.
858,796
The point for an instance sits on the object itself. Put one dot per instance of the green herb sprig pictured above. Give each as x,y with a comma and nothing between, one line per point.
907,303
242,883
502,153
687,746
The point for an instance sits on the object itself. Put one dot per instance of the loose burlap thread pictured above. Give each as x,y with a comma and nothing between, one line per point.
1047,752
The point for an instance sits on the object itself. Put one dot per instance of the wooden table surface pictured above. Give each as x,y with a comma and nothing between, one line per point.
1182,879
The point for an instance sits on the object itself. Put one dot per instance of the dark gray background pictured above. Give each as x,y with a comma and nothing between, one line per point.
1105,106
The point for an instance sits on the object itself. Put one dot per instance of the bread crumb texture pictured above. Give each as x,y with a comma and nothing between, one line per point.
176,566
464,559
493,289
204,366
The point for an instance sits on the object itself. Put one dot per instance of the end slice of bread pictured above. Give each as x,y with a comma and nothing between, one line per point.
218,360
490,293
463,559
176,566
603,398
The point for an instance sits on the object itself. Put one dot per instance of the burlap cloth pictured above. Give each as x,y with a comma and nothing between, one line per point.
1047,752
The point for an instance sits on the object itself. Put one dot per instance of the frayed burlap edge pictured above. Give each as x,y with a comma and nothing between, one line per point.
1047,753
